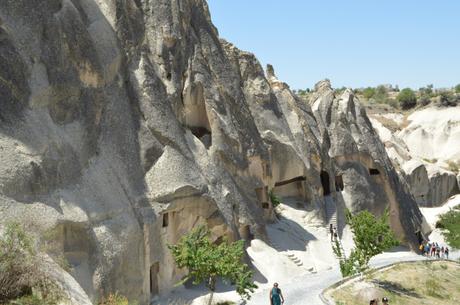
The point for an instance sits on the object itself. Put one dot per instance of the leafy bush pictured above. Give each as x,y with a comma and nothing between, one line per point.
457,88
423,101
447,99
206,262
427,91
276,201
450,222
369,93
21,281
407,98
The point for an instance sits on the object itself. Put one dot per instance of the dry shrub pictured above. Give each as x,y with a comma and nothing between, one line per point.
114,299
21,280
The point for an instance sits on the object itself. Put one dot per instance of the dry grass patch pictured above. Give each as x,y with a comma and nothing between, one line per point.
429,282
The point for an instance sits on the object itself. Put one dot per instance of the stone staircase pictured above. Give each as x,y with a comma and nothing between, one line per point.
331,218
331,212
290,256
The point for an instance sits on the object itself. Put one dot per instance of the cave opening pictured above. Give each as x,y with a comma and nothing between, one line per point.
262,197
325,182
245,233
154,270
339,183
195,114
165,220
374,172
203,134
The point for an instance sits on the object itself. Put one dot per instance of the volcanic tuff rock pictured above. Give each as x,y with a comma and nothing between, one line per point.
126,123
426,151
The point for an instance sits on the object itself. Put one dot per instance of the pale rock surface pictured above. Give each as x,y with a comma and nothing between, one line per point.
124,124
424,151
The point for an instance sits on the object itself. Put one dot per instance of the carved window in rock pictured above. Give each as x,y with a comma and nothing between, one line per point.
265,205
339,183
165,220
374,172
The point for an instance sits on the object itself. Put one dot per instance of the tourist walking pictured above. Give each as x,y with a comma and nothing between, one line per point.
438,251
433,250
446,252
331,231
385,301
427,249
276,297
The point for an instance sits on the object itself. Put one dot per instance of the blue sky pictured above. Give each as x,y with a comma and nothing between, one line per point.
355,43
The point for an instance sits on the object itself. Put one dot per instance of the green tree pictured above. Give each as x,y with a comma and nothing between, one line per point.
457,88
371,236
450,223
206,262
368,93
407,98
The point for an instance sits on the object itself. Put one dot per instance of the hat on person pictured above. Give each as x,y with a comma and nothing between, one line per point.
384,299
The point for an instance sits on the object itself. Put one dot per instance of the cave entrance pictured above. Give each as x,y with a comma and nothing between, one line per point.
165,223
294,187
203,134
420,238
374,172
262,196
245,233
154,270
195,114
339,183
325,182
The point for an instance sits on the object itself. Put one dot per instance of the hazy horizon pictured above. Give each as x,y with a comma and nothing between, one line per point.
354,44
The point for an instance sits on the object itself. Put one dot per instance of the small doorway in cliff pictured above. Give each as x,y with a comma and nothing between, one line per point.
339,183
374,172
165,223
325,182
419,237
154,270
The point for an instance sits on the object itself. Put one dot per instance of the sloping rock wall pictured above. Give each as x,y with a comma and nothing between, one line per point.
125,123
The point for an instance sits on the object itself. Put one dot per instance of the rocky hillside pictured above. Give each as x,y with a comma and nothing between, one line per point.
425,146
125,123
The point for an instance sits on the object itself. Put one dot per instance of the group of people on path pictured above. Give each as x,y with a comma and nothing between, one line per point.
434,250
277,298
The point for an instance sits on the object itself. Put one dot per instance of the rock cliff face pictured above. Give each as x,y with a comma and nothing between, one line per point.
126,123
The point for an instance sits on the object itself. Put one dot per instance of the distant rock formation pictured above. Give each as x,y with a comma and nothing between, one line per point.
126,123
426,151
